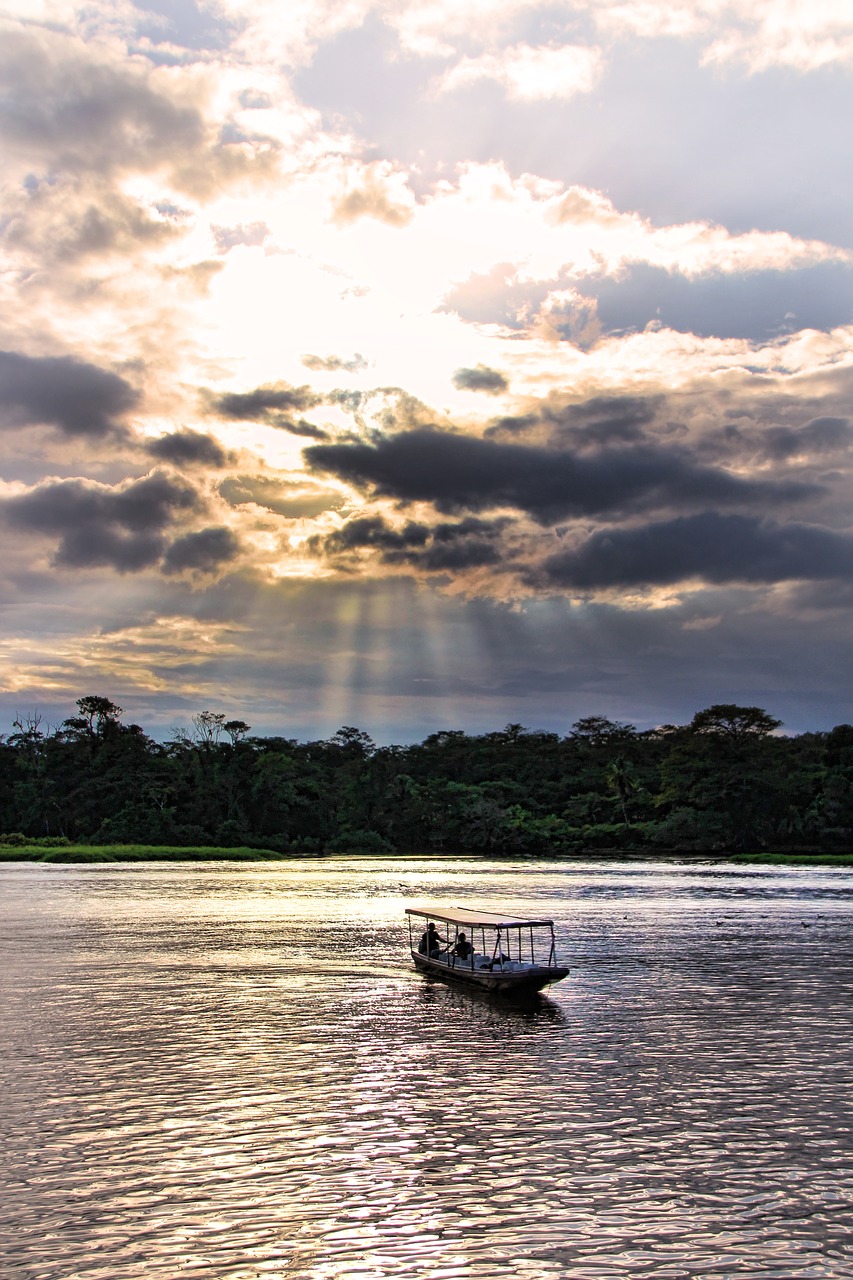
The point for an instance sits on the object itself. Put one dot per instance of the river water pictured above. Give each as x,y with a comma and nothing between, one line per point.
233,1071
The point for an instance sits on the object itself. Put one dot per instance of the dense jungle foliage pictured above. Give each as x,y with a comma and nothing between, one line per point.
723,782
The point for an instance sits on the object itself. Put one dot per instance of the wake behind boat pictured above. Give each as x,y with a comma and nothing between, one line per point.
484,949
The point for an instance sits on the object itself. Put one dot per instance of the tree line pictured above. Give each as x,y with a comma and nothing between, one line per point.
726,781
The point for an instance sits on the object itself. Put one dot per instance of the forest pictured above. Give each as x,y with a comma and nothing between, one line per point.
726,781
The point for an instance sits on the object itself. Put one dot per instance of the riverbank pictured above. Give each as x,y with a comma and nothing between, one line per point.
77,854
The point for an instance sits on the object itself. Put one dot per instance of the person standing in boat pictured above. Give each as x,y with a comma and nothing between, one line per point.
431,941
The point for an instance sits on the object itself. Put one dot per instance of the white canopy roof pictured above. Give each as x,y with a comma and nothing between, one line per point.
471,917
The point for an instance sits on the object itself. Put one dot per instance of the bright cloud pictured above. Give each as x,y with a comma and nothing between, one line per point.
528,73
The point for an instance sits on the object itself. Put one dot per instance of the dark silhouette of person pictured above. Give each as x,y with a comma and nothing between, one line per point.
431,940
463,948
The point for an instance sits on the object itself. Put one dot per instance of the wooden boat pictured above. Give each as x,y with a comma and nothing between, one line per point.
484,949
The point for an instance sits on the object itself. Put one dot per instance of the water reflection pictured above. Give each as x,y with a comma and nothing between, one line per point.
230,1074
451,1005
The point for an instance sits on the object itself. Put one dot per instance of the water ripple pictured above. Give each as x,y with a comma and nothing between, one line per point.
228,1073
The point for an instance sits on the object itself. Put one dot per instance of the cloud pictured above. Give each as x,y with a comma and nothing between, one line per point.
439,27
602,419
331,364
188,448
820,436
251,235
95,524
517,424
709,546
374,532
59,221
497,296
458,473
287,498
253,100
302,428
203,552
264,404
273,404
76,397
67,103
73,106
528,73
480,378
377,192
442,548
804,37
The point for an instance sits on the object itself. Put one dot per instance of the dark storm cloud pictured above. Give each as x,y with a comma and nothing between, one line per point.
96,525
783,430
512,425
445,547
715,548
821,436
274,404
248,406
188,448
204,552
460,472
76,397
618,414
480,378
302,428
373,532
602,419
756,304
266,403
331,364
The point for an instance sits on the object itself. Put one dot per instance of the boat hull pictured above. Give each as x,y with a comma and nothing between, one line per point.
533,978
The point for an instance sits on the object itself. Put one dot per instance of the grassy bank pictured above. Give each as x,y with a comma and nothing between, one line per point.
103,853
796,859
78,853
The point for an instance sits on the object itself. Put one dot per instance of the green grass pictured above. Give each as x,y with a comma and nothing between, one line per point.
77,853
797,859
89,853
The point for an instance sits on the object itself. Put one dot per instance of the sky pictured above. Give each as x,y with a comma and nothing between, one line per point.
426,365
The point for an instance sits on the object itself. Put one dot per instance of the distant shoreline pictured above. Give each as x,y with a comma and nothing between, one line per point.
104,855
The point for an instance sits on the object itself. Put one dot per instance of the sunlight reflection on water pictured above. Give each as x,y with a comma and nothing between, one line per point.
234,1072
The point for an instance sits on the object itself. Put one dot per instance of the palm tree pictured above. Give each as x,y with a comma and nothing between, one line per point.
622,781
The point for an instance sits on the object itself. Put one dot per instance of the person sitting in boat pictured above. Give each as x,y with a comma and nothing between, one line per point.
498,960
431,940
463,947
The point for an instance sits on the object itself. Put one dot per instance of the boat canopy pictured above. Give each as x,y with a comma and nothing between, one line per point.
473,917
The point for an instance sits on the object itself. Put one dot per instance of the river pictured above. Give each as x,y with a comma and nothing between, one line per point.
232,1071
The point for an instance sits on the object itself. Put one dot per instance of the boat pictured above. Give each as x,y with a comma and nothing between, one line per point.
484,949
